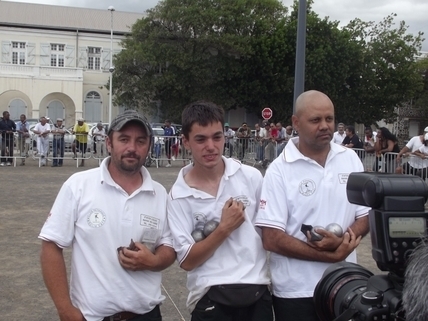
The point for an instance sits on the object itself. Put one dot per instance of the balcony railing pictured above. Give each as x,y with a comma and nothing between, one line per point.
38,72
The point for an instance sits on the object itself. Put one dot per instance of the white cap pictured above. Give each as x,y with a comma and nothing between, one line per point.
426,129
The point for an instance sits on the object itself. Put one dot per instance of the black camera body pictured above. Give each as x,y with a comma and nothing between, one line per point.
398,222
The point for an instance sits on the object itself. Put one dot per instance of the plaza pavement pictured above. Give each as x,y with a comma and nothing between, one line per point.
26,195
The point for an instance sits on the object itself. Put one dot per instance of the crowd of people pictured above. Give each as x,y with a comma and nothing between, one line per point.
124,228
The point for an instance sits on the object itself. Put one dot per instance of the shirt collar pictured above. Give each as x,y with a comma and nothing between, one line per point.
181,190
291,153
146,186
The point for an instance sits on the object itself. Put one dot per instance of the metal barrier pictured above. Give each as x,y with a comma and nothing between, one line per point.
166,149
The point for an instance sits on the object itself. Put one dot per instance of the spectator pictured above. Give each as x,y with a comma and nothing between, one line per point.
352,140
58,143
7,128
227,271
244,134
81,130
99,135
229,134
307,185
340,134
270,149
386,143
369,140
23,130
422,152
260,133
414,164
42,130
281,139
95,212
169,132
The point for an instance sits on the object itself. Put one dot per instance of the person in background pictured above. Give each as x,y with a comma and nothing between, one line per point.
306,184
281,139
169,133
99,134
369,140
259,134
340,134
422,153
58,143
7,128
229,134
386,143
352,140
414,164
227,270
81,130
99,212
270,149
42,130
243,133
23,130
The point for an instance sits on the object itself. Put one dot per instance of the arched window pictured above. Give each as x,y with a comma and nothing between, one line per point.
55,110
17,107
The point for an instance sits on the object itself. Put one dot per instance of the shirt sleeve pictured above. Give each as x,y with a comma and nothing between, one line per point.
60,224
181,226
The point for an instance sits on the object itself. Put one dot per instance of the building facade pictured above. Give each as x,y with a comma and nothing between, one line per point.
55,60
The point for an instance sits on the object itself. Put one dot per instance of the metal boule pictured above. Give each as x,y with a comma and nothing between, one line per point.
209,227
335,228
198,235
314,235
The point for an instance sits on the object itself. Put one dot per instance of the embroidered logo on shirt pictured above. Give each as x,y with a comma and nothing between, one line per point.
199,220
96,218
343,178
307,187
244,199
262,204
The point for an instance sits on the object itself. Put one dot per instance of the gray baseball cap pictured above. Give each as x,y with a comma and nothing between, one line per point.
129,115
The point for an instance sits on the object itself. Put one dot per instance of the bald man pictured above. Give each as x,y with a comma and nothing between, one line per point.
306,184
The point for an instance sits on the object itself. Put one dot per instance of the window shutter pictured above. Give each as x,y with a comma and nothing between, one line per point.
105,59
69,56
83,62
45,54
31,54
6,57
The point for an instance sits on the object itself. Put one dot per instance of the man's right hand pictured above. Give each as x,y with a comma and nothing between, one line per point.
232,215
72,314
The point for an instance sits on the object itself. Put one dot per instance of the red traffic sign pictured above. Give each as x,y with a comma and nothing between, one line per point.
267,113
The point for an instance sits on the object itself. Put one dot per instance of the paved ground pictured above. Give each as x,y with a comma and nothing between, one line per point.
27,193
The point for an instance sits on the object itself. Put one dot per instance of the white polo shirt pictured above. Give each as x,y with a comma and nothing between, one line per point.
297,190
95,216
415,144
338,138
241,258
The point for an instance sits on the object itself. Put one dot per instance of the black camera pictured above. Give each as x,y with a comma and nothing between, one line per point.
398,222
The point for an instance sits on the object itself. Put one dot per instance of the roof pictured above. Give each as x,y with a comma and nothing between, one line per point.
20,14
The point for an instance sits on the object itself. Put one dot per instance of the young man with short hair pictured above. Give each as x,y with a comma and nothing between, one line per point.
227,271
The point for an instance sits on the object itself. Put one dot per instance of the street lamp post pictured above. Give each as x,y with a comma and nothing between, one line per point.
111,69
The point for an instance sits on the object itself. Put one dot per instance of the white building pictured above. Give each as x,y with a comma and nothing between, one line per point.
55,60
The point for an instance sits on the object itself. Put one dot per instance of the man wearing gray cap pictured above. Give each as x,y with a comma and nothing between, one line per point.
98,212
58,131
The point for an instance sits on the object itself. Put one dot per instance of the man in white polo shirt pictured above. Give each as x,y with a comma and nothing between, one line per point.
340,134
306,184
97,213
227,269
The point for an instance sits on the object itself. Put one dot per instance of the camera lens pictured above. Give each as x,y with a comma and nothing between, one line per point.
340,284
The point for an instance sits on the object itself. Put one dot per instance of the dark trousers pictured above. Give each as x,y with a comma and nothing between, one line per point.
208,310
58,150
154,315
299,309
7,150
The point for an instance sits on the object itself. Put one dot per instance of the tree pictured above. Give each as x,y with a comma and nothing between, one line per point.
421,97
384,75
186,50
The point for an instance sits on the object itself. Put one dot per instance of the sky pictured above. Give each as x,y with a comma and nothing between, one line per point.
413,12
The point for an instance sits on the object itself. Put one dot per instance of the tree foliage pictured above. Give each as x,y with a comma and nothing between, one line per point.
242,54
